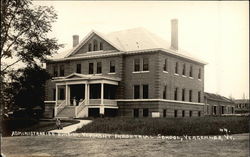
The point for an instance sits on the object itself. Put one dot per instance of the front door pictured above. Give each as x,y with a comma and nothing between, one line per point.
77,94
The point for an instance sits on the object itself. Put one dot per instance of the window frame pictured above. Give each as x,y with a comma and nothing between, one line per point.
101,46
176,93
190,95
136,65
55,70
79,68
183,94
145,64
145,91
164,96
145,112
91,68
165,65
99,67
89,47
112,67
136,92
184,70
176,68
95,45
191,71
61,70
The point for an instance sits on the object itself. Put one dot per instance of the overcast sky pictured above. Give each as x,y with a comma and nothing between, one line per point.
215,32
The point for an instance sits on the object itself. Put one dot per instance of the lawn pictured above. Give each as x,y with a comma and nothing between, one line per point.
168,126
58,146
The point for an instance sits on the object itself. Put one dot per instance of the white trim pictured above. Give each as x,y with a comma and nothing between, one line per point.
98,74
183,75
166,100
138,72
105,106
165,71
112,73
176,74
50,101
191,77
199,79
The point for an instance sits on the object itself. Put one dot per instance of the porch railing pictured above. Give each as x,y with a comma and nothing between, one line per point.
60,107
105,102
80,107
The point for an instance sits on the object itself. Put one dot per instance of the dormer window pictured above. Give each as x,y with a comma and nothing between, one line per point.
95,45
90,47
101,46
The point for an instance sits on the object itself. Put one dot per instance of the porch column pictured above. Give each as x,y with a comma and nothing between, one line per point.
56,94
67,94
102,95
86,93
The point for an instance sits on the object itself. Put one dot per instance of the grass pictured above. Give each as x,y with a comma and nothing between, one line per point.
32,125
168,126
58,146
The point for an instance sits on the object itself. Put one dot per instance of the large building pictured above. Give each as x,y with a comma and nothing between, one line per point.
131,73
217,105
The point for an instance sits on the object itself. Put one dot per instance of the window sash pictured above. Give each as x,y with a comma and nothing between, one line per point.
136,92
61,70
145,91
112,66
176,67
99,68
91,68
165,66
137,65
145,64
78,68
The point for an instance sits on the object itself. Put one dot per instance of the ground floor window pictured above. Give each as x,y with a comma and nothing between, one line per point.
199,113
190,113
214,110
164,113
145,112
175,113
183,113
136,112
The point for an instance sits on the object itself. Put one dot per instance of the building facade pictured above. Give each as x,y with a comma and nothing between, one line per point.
217,105
131,73
242,106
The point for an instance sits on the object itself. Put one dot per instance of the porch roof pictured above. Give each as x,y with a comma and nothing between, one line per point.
84,77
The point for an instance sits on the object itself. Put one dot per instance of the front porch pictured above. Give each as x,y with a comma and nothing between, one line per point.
79,95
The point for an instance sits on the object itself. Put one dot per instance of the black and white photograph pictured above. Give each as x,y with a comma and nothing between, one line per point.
124,78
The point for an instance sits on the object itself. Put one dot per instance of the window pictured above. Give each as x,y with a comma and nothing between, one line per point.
54,94
137,65
61,94
95,45
164,113
214,110
199,113
101,46
176,94
112,67
222,109
145,64
145,91
136,92
183,94
165,92
191,71
145,112
91,68
61,70
55,71
190,95
90,47
99,68
176,67
165,66
136,112
78,68
183,113
199,74
184,70
199,96
190,113
175,113
232,109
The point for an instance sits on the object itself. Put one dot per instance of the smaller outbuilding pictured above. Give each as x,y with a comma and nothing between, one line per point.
242,106
217,105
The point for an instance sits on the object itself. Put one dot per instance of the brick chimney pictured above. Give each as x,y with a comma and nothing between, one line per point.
174,34
75,40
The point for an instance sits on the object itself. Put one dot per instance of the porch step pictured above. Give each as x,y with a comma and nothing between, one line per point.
67,112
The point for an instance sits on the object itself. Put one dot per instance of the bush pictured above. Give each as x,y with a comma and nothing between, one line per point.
168,126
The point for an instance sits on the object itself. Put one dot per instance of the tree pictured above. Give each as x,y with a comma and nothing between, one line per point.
28,86
24,35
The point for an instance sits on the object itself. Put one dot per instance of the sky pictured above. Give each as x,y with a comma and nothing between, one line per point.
216,32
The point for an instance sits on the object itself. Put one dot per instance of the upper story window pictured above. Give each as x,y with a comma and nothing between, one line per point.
95,45
90,47
136,91
101,46
184,69
183,94
165,92
191,71
199,73
55,71
199,96
112,66
91,68
137,64
61,70
145,64
145,91
190,95
176,67
99,68
78,68
176,94
165,66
